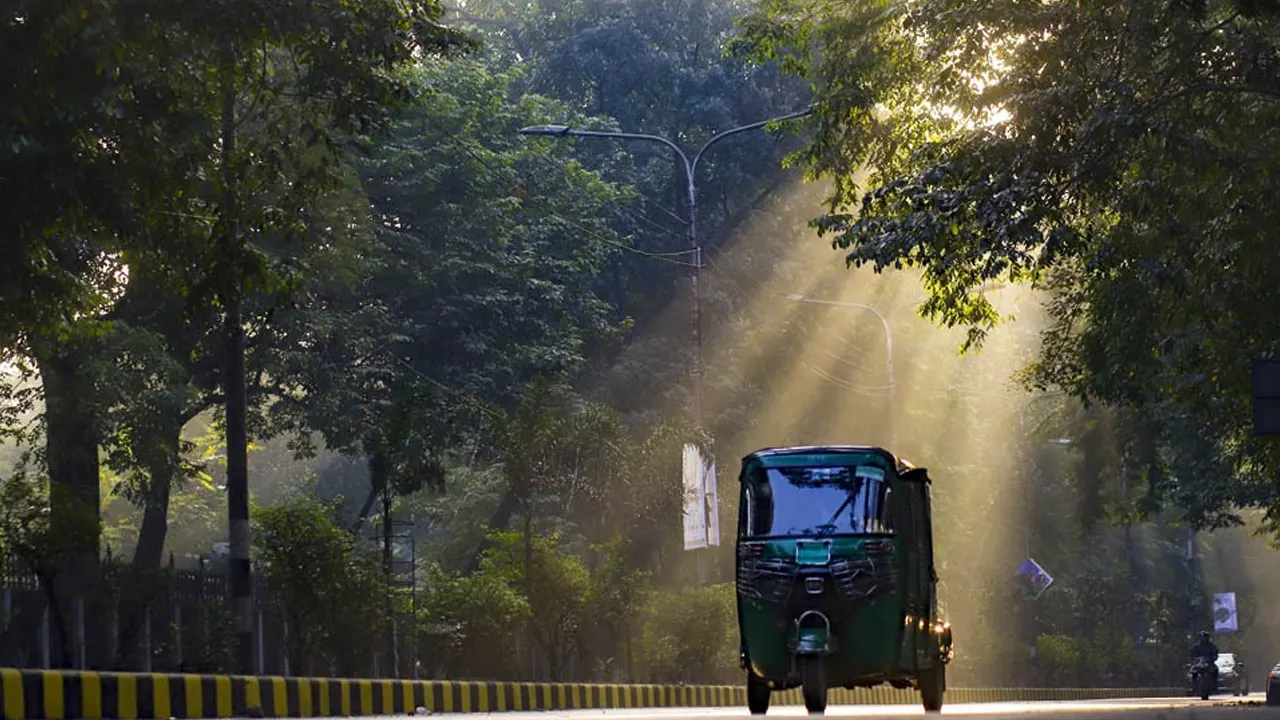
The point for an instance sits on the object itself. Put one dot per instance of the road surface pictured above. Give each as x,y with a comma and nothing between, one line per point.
1218,708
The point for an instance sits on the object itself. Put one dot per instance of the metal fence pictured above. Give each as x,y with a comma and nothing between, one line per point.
170,620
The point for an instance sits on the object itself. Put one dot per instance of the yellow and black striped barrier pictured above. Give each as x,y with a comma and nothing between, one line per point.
55,695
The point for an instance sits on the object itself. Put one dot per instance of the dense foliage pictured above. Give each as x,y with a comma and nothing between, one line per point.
328,588
1114,153
473,345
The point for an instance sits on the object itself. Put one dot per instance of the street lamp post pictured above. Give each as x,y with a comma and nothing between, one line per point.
888,350
690,170
1030,488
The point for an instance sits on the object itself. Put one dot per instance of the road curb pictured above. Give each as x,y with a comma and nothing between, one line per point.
65,695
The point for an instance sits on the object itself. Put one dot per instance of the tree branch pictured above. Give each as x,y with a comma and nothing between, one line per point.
1211,88
205,402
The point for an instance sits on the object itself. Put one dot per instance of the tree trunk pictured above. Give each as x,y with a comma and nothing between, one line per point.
500,519
367,508
163,473
71,447
136,595
56,599
71,455
379,474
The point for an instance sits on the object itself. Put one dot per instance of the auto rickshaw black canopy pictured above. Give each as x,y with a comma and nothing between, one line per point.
902,465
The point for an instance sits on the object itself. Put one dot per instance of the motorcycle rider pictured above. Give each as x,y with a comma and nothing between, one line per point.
1207,651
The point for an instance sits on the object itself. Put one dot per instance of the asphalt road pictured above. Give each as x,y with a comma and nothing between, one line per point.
1219,708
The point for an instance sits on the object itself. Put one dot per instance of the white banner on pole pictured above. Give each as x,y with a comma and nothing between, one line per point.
695,513
1224,613
713,502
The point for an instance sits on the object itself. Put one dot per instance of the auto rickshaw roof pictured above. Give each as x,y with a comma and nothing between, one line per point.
764,454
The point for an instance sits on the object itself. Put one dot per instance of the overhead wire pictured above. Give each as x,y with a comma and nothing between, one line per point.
659,227
874,390
721,272
644,197
383,349
524,197
665,210
859,367
467,399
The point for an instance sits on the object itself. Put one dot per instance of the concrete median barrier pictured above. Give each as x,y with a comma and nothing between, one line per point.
55,695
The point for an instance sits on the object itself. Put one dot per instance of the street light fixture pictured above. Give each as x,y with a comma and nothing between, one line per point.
690,170
888,350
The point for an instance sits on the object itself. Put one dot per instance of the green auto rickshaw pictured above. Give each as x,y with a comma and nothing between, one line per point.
836,582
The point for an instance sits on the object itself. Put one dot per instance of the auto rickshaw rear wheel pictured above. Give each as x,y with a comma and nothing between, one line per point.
757,694
813,683
933,683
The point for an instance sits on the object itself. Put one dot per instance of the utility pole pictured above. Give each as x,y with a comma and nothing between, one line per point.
239,575
695,249
388,565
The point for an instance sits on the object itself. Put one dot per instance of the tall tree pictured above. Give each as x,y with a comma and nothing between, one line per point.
481,279
311,79
213,126
1115,153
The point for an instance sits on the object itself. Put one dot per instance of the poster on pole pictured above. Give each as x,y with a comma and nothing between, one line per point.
713,502
1034,579
1224,613
695,513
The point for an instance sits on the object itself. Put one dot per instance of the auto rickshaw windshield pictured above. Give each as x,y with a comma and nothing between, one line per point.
816,501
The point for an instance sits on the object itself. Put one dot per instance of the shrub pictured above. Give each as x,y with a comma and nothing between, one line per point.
691,636
471,625
329,589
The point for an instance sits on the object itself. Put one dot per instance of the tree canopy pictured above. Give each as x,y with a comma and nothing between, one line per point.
1114,154
488,332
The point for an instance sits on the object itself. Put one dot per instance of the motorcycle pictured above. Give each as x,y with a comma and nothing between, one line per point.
1202,681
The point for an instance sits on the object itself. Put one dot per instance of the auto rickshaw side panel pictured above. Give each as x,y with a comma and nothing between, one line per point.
918,580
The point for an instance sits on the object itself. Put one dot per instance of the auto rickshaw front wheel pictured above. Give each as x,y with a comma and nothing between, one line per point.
813,683
933,683
757,694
